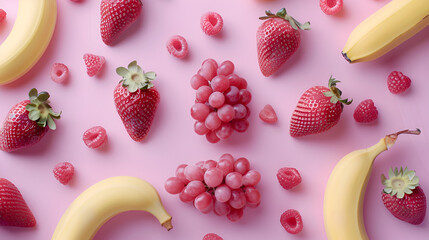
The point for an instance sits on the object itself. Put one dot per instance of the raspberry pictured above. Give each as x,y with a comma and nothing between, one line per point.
211,23
177,46
212,236
397,82
59,73
268,114
95,137
291,221
288,177
365,112
93,63
2,15
331,7
63,172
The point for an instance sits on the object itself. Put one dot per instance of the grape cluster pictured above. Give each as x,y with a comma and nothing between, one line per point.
221,99
226,186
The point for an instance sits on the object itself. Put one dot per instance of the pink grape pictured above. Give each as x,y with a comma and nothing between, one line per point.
221,208
235,214
252,205
225,68
245,96
203,202
226,113
248,112
211,137
184,197
197,81
211,60
224,131
209,164
240,125
173,185
203,94
200,164
240,111
213,177
199,111
242,165
238,199
234,80
212,121
251,178
194,173
219,83
234,180
227,156
194,188
216,99
208,69
243,83
252,195
180,173
200,128
226,166
223,193
232,95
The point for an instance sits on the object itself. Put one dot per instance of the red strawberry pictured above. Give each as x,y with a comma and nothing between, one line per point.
277,39
136,100
13,208
318,110
26,123
116,17
409,204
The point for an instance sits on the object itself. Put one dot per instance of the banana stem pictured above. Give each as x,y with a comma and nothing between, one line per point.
167,224
391,138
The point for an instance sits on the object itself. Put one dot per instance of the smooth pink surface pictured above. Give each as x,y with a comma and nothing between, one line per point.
86,102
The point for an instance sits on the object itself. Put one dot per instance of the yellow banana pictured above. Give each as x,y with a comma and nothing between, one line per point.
345,191
393,24
106,199
29,38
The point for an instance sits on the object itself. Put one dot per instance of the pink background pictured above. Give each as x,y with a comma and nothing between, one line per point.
86,102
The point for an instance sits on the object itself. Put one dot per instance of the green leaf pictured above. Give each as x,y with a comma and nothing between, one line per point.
132,67
264,17
132,88
31,107
43,96
328,94
383,179
121,71
387,190
34,115
33,93
150,75
281,13
292,22
305,26
54,114
334,99
51,123
396,172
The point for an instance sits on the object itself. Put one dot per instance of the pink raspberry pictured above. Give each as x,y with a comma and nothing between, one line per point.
397,82
63,172
366,112
212,236
211,23
331,7
268,114
95,137
93,63
177,46
2,15
291,221
59,73
288,177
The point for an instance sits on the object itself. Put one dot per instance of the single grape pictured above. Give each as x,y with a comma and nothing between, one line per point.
252,195
199,111
251,178
225,68
242,165
173,185
212,121
203,202
227,156
185,197
208,69
226,113
235,214
234,80
223,193
240,111
234,180
238,199
243,83
197,81
180,173
200,164
200,128
194,188
224,131
226,166
232,95
248,112
203,93
253,205
219,83
211,137
240,125
213,177
221,208
208,164
194,173
245,96
216,99
211,60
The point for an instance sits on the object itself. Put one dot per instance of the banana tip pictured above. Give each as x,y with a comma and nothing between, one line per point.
345,56
167,224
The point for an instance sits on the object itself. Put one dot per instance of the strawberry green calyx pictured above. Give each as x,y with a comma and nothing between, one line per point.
283,14
40,111
134,78
335,93
400,182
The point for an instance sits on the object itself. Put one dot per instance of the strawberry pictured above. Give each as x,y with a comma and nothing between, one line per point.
116,17
403,197
27,122
136,100
277,39
318,110
14,211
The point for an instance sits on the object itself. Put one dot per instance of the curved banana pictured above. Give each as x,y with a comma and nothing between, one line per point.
345,191
29,38
103,201
393,24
